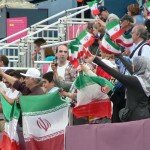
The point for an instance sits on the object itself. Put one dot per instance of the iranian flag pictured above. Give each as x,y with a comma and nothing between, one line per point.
86,39
76,52
10,140
44,120
94,7
147,5
114,30
125,40
108,46
91,100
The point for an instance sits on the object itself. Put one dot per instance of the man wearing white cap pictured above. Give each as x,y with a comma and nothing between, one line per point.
31,86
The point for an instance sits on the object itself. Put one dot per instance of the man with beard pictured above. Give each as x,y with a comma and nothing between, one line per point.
105,17
64,68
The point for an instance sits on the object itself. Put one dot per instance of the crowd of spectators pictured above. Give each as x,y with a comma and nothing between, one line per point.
129,71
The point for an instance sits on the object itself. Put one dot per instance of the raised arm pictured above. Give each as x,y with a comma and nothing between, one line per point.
127,64
9,78
120,77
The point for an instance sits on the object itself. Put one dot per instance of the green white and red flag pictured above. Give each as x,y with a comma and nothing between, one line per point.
91,100
94,7
10,139
113,29
108,46
86,38
125,40
45,118
76,52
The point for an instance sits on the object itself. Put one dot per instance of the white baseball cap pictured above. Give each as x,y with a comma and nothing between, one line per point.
32,72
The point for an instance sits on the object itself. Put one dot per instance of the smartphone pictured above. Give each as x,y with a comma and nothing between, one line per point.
55,62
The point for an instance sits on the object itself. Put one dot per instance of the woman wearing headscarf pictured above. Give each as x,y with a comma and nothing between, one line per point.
137,85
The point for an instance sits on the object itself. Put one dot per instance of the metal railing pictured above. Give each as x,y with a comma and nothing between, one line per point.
53,33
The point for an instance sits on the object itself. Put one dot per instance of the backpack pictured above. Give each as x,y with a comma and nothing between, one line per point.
140,50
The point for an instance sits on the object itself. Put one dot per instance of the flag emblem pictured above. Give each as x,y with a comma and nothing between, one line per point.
43,124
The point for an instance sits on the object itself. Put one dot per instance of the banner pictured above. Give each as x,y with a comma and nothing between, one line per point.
132,135
15,25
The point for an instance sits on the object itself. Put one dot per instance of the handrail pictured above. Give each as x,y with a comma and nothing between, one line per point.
15,68
42,62
81,19
74,14
31,34
18,40
11,36
76,8
43,21
27,29
55,44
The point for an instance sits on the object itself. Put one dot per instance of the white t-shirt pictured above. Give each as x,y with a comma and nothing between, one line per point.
61,70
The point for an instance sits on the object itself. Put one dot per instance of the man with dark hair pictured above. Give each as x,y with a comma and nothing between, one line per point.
127,23
48,82
36,53
64,67
4,61
39,41
106,16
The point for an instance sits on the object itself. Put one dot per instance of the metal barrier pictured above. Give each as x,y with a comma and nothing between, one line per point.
56,32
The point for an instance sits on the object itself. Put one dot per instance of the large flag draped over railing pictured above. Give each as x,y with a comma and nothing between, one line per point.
44,120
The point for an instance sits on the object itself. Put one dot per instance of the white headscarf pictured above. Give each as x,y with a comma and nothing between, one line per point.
142,72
